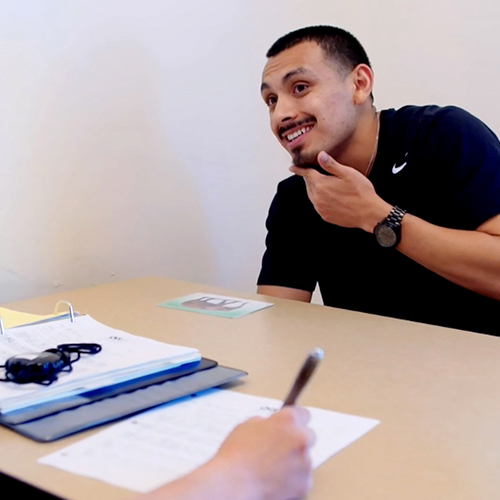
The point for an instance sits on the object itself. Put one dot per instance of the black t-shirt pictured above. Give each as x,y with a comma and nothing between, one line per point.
440,164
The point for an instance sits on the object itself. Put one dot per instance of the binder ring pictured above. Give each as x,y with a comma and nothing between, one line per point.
70,308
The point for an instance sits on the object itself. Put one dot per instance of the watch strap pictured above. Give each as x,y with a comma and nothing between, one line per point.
396,216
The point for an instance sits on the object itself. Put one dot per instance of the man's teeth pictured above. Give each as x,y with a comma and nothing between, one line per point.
291,137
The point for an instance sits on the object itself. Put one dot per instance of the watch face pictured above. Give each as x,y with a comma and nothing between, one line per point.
386,236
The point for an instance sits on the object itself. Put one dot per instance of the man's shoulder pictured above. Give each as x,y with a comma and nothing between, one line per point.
452,157
440,118
436,130
423,114
430,110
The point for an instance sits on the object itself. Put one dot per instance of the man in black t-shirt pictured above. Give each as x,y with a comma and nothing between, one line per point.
407,222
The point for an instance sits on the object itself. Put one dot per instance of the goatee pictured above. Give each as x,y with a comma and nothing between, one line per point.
303,160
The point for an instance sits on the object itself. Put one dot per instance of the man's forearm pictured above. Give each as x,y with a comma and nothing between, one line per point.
470,259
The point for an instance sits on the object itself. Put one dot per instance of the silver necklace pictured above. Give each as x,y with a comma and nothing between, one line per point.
375,147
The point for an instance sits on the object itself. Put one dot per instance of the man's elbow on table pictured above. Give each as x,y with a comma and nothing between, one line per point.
284,292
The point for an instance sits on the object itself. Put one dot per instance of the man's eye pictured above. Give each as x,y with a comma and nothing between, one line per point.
271,100
300,87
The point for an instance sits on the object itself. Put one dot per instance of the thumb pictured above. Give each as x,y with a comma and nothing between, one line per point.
327,163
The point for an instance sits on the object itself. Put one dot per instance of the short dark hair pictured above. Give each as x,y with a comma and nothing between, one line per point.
337,44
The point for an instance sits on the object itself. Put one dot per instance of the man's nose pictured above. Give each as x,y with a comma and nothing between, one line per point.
285,110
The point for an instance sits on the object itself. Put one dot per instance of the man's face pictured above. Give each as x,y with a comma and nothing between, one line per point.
310,104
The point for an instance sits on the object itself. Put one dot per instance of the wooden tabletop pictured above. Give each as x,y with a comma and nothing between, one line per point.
436,391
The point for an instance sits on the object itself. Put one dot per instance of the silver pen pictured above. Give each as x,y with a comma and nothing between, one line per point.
305,373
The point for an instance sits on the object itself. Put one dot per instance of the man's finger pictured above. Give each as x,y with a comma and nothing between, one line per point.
306,173
298,170
327,163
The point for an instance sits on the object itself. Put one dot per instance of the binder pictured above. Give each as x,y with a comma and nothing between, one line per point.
123,358
55,419
108,409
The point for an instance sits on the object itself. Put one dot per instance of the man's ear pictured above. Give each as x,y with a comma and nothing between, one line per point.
362,80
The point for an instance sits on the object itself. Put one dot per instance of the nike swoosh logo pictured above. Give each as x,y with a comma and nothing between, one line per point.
396,170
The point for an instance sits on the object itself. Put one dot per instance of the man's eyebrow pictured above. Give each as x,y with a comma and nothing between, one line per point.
290,74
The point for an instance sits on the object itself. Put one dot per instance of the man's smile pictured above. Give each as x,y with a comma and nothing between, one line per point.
292,134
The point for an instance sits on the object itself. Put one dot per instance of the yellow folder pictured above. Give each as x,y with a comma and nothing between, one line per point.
11,319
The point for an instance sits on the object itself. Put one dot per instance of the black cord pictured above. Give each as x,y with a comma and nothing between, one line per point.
43,369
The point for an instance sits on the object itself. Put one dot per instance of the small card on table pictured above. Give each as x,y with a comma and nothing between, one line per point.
216,305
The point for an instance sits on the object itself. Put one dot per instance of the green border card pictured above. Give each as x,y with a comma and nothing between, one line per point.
216,305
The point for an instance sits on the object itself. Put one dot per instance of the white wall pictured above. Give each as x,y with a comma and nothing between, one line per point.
132,136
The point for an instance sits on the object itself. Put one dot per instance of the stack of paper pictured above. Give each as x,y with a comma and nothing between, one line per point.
124,357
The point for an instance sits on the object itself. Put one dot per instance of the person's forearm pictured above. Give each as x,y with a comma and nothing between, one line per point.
468,258
209,482
261,459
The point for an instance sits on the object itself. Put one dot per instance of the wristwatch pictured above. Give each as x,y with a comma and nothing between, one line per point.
388,231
